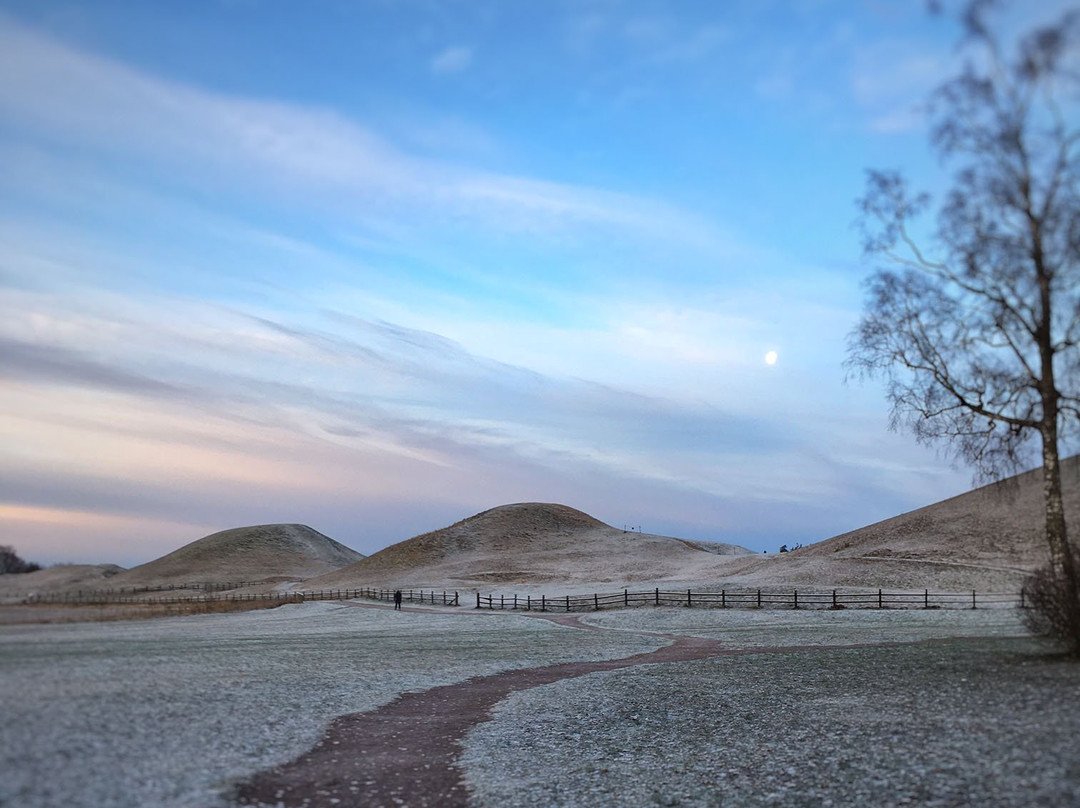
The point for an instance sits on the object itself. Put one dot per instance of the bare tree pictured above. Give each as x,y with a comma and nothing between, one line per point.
975,324
11,563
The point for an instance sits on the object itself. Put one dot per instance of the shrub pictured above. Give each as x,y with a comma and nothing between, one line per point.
1049,613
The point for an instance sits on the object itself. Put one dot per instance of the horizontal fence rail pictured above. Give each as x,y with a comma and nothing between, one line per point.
100,597
724,598
754,598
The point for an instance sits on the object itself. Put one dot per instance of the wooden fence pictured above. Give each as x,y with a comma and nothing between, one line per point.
100,597
754,598
742,598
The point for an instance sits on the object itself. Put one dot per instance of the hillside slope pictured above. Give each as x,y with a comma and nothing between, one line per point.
529,543
62,577
256,553
988,538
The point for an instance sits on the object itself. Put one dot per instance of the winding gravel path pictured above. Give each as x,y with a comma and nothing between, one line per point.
407,752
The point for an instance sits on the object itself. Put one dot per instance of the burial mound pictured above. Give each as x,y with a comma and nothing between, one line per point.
256,553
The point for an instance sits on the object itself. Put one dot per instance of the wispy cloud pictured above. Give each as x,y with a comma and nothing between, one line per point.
93,101
892,80
899,122
451,60
258,310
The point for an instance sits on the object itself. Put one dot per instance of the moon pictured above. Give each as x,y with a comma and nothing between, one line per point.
771,357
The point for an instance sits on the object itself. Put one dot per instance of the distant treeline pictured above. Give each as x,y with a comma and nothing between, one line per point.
11,563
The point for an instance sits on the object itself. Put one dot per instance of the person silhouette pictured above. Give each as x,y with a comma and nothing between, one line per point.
397,599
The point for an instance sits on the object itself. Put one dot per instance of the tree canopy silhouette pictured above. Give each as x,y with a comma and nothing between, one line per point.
11,563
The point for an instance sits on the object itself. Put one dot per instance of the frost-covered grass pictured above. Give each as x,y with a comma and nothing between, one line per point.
985,721
167,712
749,628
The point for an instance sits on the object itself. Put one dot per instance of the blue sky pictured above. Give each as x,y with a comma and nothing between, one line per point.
376,266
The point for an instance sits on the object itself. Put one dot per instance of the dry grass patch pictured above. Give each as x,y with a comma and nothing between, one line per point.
100,613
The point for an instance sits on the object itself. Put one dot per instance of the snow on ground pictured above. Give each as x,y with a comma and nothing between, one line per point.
165,713
989,721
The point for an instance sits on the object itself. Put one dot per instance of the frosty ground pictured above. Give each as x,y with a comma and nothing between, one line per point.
172,712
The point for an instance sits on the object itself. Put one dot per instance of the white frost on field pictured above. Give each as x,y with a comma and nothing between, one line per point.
168,712
986,721
747,628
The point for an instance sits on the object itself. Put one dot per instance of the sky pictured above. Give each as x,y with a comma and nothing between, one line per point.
376,266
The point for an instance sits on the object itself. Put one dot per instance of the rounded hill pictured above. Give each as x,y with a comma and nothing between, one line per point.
256,553
528,543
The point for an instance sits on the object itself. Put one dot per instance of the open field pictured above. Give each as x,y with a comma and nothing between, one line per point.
15,614
960,723
172,712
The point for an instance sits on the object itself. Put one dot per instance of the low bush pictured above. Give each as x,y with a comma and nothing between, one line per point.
1050,611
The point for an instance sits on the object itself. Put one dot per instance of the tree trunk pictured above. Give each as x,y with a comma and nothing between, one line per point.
1061,555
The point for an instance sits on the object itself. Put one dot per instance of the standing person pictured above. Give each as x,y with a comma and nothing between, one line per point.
397,599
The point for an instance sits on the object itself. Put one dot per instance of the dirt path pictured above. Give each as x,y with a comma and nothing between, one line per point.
405,753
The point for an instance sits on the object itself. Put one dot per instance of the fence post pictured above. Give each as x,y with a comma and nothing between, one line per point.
528,603
596,601
795,597
657,596
567,603
502,602
689,602
759,598
879,601
834,598
477,600
723,598
543,603
972,598
515,602
626,597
